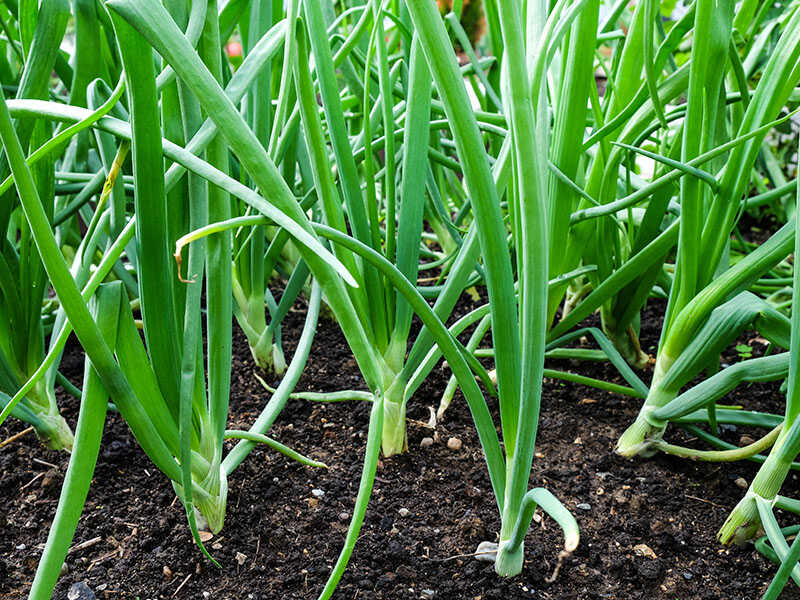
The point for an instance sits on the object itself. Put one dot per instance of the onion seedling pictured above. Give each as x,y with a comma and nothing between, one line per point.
754,510
253,260
23,281
704,279
518,334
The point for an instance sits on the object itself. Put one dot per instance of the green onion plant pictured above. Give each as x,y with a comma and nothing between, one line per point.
704,308
23,283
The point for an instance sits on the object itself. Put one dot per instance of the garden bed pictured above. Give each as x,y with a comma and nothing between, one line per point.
430,506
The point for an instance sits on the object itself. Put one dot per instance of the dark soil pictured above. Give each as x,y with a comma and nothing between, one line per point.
280,541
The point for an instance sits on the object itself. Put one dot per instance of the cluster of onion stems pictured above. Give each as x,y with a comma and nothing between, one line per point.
381,158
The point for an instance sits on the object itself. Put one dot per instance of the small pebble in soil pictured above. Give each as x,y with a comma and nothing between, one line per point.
426,442
741,482
644,550
343,516
454,443
403,512
317,493
241,558
426,593
167,572
687,576
584,506
80,591
746,440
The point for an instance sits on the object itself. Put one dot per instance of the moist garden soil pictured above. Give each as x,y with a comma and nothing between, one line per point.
647,526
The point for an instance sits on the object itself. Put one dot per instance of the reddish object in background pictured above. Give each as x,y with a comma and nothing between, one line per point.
233,49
